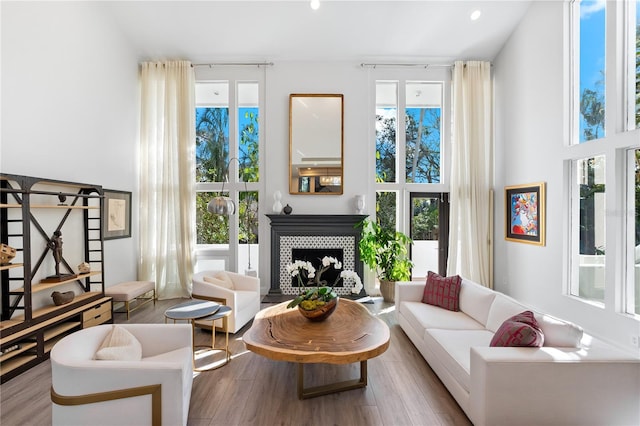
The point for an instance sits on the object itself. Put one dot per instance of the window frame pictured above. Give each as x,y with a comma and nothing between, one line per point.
614,146
432,74
234,76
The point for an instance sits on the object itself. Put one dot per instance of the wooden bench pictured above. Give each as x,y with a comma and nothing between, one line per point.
140,292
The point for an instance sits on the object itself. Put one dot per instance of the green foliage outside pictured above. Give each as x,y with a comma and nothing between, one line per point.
212,157
423,164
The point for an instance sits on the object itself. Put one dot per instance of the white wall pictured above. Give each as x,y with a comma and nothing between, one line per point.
531,133
69,105
283,79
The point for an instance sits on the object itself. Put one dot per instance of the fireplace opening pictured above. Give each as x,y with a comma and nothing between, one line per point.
315,255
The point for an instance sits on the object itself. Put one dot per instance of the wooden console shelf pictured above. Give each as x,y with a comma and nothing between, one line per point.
31,211
41,287
11,265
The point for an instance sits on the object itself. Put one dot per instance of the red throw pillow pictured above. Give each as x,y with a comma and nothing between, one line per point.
442,291
519,330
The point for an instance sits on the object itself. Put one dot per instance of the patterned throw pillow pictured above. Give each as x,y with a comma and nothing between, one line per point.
519,330
442,291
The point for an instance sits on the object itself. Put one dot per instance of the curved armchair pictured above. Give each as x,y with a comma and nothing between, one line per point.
154,390
243,297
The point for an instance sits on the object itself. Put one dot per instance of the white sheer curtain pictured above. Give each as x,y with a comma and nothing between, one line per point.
471,233
167,176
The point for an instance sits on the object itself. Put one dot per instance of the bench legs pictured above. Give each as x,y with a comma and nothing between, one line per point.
139,302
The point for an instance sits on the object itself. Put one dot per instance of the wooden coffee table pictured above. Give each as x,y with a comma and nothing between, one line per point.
350,335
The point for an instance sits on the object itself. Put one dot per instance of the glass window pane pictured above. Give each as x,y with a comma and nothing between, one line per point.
212,131
592,69
248,230
636,19
422,128
634,243
386,129
210,228
425,228
386,202
590,188
248,127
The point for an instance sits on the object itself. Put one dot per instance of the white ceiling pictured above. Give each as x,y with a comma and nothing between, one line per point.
240,30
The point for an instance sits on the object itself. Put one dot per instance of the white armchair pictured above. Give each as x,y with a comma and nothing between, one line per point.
153,391
243,298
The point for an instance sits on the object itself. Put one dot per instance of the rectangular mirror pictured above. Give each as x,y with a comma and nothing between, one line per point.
315,144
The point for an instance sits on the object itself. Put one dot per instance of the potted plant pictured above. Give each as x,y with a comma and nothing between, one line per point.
384,250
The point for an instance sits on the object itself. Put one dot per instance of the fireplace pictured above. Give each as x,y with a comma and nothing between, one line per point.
313,236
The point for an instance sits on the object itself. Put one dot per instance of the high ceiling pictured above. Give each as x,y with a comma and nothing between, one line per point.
205,31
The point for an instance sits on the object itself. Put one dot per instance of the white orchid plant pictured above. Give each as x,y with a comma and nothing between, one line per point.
320,292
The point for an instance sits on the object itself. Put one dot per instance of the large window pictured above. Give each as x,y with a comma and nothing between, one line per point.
409,165
227,164
604,180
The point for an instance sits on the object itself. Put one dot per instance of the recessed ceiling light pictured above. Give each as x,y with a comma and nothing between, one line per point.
315,4
475,15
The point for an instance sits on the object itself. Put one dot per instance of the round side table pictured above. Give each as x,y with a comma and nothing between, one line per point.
207,311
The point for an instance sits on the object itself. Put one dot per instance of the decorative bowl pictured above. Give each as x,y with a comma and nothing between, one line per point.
62,298
321,313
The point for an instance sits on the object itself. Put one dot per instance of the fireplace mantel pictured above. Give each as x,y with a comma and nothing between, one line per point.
310,225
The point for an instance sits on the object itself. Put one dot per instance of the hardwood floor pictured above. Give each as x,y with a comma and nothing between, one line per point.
252,390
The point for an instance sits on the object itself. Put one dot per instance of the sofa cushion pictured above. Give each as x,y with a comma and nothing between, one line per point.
452,347
502,308
559,333
119,345
221,279
475,300
442,291
519,330
422,316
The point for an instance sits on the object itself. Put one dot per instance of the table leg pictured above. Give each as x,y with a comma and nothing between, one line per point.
213,347
313,392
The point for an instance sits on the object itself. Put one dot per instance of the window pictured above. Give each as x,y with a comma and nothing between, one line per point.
603,173
590,55
633,231
409,164
227,164
589,195
633,64
422,129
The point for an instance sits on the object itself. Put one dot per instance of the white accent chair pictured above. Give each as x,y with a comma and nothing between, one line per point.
244,298
155,390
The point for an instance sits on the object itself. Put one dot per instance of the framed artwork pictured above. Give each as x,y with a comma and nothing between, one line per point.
525,213
116,220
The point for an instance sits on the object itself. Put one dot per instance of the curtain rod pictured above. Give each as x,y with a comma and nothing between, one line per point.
363,65
236,64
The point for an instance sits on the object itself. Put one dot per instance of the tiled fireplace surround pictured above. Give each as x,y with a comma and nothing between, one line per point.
304,231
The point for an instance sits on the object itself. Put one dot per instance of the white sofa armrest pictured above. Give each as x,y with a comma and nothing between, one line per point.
411,291
513,386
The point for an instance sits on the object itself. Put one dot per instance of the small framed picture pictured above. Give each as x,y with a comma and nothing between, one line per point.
525,213
116,219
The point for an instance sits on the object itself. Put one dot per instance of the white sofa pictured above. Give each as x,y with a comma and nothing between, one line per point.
243,298
84,386
571,380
